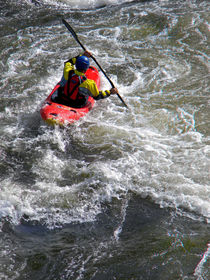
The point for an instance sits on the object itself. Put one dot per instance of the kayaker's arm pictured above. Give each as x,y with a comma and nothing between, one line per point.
68,66
102,94
91,86
106,93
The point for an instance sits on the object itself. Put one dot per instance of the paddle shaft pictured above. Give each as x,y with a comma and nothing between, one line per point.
78,41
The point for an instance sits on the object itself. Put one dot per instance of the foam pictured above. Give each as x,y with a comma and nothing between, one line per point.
154,150
81,4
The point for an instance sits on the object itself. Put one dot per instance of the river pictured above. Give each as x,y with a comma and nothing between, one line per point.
121,194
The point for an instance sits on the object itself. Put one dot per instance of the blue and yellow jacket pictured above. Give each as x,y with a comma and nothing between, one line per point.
88,86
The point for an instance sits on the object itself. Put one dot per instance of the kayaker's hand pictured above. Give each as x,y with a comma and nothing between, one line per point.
114,91
87,53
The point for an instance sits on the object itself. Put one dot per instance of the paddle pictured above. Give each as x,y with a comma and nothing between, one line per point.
77,39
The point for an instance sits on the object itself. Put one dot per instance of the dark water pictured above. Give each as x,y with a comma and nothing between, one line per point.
120,194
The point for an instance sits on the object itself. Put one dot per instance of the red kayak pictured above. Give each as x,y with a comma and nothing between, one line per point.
54,113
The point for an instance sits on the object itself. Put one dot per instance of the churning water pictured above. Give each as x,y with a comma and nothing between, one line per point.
121,194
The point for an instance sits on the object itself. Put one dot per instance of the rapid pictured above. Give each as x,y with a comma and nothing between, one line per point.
120,194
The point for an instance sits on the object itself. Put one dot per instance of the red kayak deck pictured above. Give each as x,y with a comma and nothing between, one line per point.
54,113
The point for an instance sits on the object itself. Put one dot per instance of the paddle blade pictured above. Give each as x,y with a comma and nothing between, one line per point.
70,29
73,33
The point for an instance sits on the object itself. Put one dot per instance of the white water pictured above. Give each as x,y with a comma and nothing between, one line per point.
81,4
154,149
156,54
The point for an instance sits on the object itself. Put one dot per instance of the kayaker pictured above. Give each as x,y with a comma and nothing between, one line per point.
75,87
